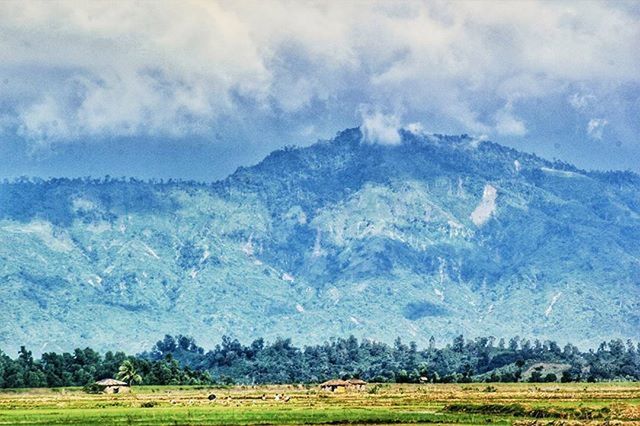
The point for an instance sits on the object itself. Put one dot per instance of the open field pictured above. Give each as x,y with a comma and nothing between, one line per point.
523,403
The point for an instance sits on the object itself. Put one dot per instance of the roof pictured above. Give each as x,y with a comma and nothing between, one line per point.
111,382
335,382
357,382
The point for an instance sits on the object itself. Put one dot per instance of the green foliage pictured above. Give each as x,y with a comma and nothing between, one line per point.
462,361
520,410
387,231
127,372
180,361
85,366
551,378
374,389
92,388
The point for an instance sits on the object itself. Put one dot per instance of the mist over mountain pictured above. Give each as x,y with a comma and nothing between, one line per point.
436,235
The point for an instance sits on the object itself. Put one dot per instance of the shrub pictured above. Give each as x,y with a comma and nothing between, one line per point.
92,388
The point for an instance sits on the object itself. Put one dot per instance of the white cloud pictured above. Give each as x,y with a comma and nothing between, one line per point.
507,124
416,128
89,69
117,105
380,128
596,126
581,101
125,69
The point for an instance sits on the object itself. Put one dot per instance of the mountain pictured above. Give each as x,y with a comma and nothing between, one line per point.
438,235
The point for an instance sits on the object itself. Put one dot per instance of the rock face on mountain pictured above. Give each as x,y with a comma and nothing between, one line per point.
437,236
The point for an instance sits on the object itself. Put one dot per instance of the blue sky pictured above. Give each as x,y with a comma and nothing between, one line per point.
195,89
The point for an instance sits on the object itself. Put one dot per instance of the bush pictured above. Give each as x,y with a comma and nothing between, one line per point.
374,390
92,388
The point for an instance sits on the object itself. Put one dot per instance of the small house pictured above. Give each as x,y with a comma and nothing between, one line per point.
113,386
335,385
357,384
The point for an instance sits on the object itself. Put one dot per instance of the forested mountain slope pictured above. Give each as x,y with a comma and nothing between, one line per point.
436,236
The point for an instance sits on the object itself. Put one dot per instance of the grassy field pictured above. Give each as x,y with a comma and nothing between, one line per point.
526,404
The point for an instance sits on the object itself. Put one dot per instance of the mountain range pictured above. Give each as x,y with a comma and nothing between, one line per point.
434,236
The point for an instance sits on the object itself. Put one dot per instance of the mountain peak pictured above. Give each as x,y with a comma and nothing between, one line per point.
438,235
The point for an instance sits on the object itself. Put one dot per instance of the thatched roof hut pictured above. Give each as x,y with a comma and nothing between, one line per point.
112,386
357,383
334,385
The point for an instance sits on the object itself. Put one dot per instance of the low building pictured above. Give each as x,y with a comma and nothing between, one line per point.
113,386
335,385
357,384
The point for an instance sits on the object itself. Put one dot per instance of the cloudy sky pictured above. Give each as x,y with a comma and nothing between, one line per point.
194,89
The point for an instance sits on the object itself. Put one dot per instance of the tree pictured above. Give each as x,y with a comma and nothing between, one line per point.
127,372
536,375
458,344
566,377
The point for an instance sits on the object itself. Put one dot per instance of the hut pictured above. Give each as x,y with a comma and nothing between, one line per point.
357,384
335,385
112,386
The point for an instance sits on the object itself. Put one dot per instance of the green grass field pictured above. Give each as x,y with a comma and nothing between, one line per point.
611,403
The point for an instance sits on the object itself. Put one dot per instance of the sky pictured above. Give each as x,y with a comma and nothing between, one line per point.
194,89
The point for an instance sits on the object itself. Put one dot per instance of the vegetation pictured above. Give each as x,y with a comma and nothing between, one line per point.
461,361
128,373
84,366
519,403
180,361
328,239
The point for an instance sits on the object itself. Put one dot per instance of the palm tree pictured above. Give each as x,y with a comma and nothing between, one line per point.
127,372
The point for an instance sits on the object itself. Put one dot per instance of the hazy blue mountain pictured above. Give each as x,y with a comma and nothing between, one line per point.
436,236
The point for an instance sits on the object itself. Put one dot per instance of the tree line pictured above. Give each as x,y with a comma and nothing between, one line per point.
180,361
84,366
